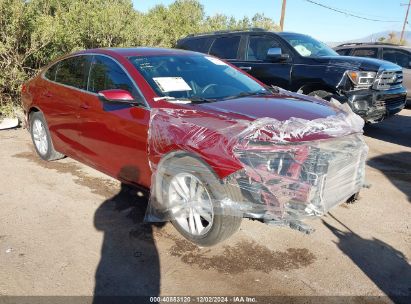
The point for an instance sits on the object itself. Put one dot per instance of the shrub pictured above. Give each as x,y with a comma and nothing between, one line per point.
35,32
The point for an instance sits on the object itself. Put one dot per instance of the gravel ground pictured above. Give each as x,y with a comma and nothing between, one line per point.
66,229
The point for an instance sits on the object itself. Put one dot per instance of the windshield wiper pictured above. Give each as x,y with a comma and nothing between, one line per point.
163,98
198,99
246,94
185,100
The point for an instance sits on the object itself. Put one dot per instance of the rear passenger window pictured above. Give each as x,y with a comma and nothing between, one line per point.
226,47
73,71
371,52
105,74
201,45
258,47
343,52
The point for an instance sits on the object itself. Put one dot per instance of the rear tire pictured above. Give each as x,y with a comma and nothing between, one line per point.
223,223
41,138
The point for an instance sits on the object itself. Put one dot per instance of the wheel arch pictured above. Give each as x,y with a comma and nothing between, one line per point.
311,87
181,153
31,110
158,176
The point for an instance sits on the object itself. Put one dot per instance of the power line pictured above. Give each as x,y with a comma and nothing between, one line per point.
348,13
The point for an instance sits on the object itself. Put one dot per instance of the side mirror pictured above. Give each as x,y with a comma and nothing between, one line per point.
276,54
116,95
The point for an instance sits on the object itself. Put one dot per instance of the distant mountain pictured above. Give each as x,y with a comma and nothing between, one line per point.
374,37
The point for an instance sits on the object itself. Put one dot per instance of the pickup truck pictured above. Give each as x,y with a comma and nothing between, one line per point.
373,88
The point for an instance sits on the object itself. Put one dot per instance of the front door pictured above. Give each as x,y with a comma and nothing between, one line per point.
257,64
115,134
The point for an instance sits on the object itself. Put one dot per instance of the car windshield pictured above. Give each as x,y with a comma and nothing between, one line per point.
308,47
194,77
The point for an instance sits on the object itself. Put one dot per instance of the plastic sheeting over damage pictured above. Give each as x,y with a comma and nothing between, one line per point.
277,171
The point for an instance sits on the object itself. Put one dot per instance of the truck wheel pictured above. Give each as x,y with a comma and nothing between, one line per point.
321,94
194,191
40,136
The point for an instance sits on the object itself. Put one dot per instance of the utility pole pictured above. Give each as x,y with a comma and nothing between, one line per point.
405,22
283,14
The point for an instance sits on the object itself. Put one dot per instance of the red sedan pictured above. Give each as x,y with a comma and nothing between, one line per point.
213,144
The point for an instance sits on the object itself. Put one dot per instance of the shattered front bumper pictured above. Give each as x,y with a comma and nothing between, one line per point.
374,106
278,171
317,177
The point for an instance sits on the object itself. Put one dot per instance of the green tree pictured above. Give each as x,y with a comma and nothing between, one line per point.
35,32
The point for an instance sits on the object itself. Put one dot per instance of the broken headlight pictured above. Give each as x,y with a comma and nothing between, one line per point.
278,163
362,79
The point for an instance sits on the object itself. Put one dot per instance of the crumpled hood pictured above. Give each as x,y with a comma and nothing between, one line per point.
288,117
357,63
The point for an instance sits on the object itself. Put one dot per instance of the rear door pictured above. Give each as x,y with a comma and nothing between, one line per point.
115,134
227,48
61,98
256,63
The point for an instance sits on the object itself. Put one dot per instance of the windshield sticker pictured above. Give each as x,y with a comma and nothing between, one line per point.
302,50
216,61
172,84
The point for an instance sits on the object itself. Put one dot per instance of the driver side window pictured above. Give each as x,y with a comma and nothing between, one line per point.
258,47
105,74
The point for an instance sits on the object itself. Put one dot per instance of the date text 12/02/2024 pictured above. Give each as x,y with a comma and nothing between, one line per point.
234,299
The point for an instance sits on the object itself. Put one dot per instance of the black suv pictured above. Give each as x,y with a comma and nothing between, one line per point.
397,54
373,88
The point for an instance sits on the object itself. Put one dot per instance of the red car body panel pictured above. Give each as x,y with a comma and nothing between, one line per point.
116,141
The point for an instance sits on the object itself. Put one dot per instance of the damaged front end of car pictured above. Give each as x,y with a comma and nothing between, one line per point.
286,171
286,183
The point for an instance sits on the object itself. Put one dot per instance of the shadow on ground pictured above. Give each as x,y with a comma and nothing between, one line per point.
395,129
387,267
397,168
129,264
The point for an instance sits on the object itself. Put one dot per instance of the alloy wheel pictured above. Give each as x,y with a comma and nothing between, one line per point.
40,137
190,204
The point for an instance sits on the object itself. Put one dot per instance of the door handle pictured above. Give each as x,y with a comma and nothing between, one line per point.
246,68
84,106
47,94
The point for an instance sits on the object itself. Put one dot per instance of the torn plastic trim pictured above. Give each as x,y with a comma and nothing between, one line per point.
308,183
280,179
299,130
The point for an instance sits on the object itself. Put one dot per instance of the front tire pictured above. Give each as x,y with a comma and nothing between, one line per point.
195,194
41,138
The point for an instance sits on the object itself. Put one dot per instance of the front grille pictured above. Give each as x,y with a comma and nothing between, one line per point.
388,80
340,174
391,102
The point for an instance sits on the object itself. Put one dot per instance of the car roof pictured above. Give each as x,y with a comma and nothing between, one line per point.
138,51
371,44
226,32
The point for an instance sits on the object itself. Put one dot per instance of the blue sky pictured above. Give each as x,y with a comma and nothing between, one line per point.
307,18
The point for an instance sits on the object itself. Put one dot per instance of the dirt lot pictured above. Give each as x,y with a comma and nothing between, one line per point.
66,229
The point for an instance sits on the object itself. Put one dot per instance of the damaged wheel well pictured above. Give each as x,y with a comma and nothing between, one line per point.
308,88
180,154
29,113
